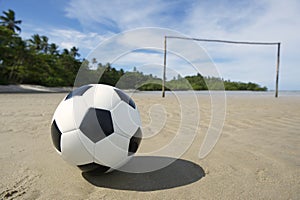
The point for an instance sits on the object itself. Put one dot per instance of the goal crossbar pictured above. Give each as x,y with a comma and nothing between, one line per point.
221,41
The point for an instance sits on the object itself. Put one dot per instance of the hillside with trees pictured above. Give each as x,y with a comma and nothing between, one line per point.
36,61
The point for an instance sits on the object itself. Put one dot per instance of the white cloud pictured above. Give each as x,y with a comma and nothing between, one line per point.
115,15
265,20
258,21
67,38
184,57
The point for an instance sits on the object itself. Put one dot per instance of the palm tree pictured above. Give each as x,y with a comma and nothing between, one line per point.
36,42
44,44
53,49
65,52
9,21
74,52
18,60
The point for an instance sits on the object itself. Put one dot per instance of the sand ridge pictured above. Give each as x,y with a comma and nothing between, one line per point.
257,156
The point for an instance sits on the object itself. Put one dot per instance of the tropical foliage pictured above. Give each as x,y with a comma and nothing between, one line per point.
8,20
36,61
33,61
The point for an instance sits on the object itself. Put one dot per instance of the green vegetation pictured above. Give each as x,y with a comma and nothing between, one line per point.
35,61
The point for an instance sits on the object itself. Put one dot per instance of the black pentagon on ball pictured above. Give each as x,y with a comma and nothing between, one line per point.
97,124
78,91
56,135
93,167
135,141
124,97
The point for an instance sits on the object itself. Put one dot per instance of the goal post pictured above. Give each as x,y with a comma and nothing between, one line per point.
220,41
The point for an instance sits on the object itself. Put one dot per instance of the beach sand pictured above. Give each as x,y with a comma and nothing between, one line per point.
256,157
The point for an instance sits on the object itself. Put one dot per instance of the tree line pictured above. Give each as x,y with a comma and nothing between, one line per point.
36,61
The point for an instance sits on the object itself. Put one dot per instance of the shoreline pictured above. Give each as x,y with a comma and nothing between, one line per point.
29,88
24,88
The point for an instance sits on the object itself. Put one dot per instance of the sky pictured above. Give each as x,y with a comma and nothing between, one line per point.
87,24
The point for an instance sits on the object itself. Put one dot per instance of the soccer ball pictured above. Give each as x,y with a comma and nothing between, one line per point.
96,126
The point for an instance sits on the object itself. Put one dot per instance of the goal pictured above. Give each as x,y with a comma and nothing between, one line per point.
221,41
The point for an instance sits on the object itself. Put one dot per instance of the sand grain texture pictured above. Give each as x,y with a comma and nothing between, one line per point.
257,156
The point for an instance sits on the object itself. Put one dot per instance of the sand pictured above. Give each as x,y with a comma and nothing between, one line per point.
256,157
